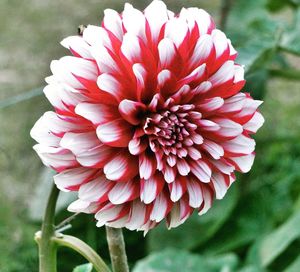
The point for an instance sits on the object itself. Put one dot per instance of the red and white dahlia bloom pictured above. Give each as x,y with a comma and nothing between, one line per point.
149,120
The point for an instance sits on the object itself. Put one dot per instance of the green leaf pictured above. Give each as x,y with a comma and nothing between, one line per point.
267,199
277,5
291,42
256,83
294,266
249,218
251,268
256,54
291,74
83,268
254,34
172,260
297,204
227,262
240,17
199,228
251,21
271,246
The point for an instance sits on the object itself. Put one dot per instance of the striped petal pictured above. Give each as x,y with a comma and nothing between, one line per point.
116,133
121,168
123,192
150,188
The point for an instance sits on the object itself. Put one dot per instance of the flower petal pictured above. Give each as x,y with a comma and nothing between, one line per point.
71,179
177,188
176,30
79,142
121,168
109,213
67,68
147,165
243,163
156,15
207,200
200,17
96,157
195,193
201,170
151,187
137,217
183,167
95,190
111,85
112,21
255,123
116,133
224,74
131,111
240,145
78,46
160,208
57,158
137,146
97,113
96,36
219,183
202,51
214,149
123,192
131,48
134,21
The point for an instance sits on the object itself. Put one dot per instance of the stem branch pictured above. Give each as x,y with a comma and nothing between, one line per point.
117,250
48,240
83,249
66,221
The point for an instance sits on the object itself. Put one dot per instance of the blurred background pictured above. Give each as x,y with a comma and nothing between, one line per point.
255,228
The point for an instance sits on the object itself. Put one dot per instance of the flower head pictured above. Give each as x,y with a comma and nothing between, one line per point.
149,120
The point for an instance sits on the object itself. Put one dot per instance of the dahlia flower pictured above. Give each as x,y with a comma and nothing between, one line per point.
150,122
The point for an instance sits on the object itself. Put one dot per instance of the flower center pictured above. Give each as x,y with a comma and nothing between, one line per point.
173,130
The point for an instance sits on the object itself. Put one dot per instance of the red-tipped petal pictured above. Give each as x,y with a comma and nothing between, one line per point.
131,111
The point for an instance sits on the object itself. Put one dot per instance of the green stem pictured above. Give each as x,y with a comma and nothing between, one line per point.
83,249
291,74
117,250
47,247
48,240
10,101
224,12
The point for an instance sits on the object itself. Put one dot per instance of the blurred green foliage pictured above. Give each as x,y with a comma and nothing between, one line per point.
84,268
256,227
